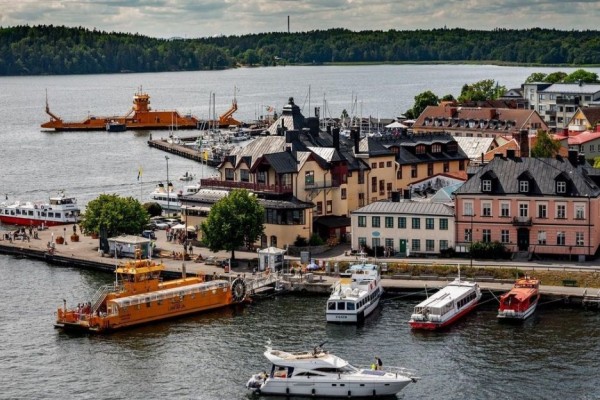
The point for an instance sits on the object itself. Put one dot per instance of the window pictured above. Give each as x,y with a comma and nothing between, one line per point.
401,222
560,238
578,238
261,177
486,209
505,209
244,175
486,185
429,223
446,166
504,236
487,236
523,210
375,243
329,206
413,171
362,221
561,187
468,235
542,237
389,222
399,173
309,178
523,186
420,149
382,187
416,223
561,211
381,164
373,184
443,224
429,169
274,241
362,242
388,164
361,177
319,207
229,174
429,245
389,187
542,211
468,208
416,245
579,211
436,148
461,165
375,222
361,199
373,165
343,194
443,245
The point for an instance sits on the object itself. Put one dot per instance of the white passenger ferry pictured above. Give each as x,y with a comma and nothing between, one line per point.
356,294
446,306
59,210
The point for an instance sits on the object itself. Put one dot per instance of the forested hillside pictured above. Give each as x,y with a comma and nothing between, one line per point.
38,50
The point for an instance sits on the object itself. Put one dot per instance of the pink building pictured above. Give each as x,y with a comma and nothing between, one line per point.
531,205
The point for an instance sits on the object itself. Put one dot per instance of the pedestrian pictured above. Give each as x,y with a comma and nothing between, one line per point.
191,248
378,363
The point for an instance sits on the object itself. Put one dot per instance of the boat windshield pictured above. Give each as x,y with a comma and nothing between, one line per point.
347,369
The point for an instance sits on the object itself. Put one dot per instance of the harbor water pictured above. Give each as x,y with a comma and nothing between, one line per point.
210,356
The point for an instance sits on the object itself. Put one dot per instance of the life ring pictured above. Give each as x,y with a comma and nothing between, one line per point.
238,290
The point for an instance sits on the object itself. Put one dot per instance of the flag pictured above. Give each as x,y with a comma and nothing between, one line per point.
139,173
205,155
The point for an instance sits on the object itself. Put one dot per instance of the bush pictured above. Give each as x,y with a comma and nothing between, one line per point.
315,240
300,241
493,250
153,209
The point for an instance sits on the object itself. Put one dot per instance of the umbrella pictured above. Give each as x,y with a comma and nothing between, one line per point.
178,227
396,124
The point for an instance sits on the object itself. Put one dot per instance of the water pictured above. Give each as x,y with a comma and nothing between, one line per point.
210,356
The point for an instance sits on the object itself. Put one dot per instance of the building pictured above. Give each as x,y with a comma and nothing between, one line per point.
478,121
404,228
557,103
535,206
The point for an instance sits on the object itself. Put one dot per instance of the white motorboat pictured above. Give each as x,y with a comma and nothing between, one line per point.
59,210
446,306
187,176
356,294
319,374
166,197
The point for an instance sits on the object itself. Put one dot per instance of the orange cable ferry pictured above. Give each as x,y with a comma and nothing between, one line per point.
138,296
521,301
140,117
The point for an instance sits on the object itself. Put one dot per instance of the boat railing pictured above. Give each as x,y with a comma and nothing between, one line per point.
409,373
261,281
101,293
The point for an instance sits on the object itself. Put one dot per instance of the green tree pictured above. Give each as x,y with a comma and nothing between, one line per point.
581,75
234,221
555,77
487,89
545,146
448,97
116,215
422,100
536,77
153,209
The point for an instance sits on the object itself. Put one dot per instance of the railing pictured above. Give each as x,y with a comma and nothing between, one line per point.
322,185
522,221
261,281
255,187
567,100
101,293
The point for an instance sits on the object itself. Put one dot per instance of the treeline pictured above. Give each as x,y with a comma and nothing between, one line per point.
51,49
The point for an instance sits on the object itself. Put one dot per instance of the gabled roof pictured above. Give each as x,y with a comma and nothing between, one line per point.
474,147
255,149
583,137
408,207
592,114
326,153
282,162
576,88
543,172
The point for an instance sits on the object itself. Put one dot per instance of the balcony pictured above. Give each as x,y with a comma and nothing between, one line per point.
550,112
253,187
521,221
568,100
322,185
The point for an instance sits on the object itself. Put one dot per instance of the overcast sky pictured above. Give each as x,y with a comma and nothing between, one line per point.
201,18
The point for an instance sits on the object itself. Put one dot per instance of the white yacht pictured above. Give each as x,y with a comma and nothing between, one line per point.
166,197
319,374
356,294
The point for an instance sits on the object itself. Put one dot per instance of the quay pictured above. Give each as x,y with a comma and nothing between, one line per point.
84,254
182,150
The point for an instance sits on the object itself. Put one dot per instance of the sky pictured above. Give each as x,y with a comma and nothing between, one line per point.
203,18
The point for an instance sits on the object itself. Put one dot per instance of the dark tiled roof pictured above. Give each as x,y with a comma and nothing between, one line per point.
592,114
543,172
282,162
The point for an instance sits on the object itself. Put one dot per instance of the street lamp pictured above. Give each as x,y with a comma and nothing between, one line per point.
168,194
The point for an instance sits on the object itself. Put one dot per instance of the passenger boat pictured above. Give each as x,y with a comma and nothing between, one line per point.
166,197
446,306
59,210
319,374
521,301
138,296
140,117
356,294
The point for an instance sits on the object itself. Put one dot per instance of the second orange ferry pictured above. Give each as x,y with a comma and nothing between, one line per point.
138,297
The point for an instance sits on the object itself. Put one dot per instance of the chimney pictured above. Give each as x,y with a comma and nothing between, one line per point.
510,154
336,138
396,196
356,138
406,194
573,154
498,155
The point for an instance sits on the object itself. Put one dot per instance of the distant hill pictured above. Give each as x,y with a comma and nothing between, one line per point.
38,50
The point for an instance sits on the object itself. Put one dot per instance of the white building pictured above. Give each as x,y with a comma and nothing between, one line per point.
406,227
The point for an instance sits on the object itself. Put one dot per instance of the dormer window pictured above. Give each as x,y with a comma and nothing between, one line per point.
561,187
486,185
523,186
420,149
436,148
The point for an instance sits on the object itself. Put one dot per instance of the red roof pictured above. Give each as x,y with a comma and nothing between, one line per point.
584,137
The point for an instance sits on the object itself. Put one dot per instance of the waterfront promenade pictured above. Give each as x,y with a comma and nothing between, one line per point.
84,254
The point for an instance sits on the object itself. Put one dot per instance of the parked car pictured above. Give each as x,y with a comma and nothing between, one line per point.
211,260
225,263
149,234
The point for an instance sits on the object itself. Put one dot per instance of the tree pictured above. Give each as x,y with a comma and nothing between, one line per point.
115,215
545,146
153,209
536,77
487,89
581,75
422,100
234,221
555,77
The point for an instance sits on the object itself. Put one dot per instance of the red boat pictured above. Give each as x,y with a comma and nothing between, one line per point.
520,302
59,210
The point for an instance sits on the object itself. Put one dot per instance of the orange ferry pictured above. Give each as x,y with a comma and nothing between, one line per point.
140,117
521,301
138,296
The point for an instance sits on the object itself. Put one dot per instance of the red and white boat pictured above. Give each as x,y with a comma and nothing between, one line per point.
59,210
520,302
446,306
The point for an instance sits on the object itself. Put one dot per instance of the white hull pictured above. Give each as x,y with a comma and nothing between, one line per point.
516,315
331,387
354,316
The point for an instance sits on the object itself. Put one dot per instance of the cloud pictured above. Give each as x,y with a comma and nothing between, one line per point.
200,18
